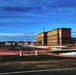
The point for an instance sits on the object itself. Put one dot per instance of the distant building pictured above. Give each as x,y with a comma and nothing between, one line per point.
57,36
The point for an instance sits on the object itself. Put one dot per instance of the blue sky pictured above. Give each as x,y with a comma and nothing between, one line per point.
22,20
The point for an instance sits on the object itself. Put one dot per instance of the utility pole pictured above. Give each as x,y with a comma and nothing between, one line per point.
43,29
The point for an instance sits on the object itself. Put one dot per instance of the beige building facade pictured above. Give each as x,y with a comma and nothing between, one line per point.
57,36
41,39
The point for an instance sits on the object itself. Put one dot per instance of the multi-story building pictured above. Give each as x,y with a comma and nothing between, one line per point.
55,37
59,36
41,39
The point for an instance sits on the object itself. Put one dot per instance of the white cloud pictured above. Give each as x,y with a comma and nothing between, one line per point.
17,37
16,34
11,34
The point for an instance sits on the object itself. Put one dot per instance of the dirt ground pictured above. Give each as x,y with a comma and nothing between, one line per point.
51,62
27,65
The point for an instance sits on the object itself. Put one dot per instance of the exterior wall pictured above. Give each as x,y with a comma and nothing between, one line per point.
66,33
60,36
41,39
66,36
45,38
52,37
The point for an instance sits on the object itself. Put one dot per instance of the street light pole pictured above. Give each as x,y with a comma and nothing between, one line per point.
43,29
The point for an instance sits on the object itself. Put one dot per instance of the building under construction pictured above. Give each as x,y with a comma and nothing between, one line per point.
57,36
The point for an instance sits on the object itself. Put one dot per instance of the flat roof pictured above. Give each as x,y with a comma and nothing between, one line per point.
53,30
41,33
59,28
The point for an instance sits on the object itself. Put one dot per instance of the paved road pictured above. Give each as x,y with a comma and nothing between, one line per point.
63,71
